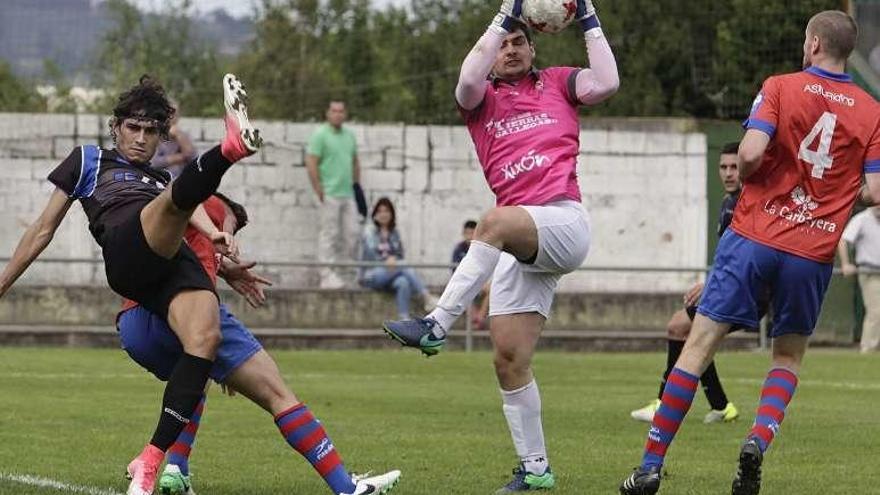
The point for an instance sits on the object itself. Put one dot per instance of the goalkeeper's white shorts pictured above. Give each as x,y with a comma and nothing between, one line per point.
563,244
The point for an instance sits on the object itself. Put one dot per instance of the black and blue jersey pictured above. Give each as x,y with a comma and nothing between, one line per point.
110,188
725,216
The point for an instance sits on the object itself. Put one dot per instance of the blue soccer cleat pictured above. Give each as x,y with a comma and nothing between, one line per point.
418,333
524,481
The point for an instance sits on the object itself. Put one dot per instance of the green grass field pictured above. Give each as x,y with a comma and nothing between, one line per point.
79,416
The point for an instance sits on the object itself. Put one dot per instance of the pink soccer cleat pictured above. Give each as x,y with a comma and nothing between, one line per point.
143,470
241,138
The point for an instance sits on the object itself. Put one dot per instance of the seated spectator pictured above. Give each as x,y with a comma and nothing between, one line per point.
381,242
467,234
480,307
178,151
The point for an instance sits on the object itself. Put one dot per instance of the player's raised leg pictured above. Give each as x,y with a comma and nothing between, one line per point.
504,229
165,219
259,380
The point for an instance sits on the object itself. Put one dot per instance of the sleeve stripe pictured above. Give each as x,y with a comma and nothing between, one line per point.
88,176
82,161
872,166
97,172
572,87
766,127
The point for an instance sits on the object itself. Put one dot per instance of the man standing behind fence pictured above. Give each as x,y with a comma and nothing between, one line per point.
863,232
332,162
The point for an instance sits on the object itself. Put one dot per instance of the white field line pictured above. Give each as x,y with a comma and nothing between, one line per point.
294,377
40,482
72,376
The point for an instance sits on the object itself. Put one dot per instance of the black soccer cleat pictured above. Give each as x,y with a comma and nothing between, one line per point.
642,482
748,474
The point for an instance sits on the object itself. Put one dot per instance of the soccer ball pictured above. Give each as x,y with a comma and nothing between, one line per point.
548,16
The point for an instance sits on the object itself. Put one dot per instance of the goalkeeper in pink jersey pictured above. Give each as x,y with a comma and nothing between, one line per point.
524,124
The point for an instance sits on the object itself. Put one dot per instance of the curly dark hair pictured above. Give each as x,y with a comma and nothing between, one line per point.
146,100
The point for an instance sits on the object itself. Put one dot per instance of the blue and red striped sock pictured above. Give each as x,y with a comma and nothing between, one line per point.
306,435
675,404
775,396
179,452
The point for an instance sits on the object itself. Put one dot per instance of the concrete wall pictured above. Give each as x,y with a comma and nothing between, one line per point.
90,306
645,190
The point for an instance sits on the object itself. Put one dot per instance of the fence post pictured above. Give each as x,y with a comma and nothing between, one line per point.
764,326
468,331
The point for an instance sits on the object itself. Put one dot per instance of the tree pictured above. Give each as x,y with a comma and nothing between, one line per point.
15,95
674,58
164,46
286,61
756,40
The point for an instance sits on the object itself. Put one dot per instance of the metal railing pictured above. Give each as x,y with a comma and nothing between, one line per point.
469,330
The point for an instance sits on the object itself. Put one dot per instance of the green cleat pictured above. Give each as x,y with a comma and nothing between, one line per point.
173,482
726,415
418,333
524,481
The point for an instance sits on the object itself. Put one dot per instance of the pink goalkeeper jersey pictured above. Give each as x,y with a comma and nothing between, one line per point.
527,137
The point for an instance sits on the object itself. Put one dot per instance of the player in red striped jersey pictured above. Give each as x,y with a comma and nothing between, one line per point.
810,139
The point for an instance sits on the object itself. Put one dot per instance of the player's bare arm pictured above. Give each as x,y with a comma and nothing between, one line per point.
751,152
355,169
870,193
246,283
35,239
846,265
224,242
314,178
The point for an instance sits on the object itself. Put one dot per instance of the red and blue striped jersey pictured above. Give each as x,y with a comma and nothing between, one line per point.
825,133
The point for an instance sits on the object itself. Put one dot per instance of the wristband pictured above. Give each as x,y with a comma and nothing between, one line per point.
590,23
504,22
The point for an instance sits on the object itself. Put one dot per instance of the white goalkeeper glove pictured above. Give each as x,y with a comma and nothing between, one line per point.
586,16
509,13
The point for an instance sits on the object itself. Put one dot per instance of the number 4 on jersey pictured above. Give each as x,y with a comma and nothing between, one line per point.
820,159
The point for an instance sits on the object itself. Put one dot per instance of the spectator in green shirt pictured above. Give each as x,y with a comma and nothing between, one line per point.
332,162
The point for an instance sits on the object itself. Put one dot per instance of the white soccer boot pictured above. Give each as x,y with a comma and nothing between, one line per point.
375,485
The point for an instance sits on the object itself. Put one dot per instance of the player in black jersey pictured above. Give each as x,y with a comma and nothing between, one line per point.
138,218
679,325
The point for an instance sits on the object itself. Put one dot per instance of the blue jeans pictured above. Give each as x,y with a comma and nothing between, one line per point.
402,281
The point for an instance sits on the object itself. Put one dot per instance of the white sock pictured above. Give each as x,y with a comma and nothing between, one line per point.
522,408
469,278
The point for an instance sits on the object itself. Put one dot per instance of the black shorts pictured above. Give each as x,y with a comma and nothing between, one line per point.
762,310
134,271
